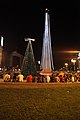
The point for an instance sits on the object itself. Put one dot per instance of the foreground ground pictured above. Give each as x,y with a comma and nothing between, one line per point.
39,101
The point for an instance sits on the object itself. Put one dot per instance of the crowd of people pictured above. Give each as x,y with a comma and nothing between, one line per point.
59,76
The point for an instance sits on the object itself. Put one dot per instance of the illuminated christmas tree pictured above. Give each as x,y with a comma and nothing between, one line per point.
29,65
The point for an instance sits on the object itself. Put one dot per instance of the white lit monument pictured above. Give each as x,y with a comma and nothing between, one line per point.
47,59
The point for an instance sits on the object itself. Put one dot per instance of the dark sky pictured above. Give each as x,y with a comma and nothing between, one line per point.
23,19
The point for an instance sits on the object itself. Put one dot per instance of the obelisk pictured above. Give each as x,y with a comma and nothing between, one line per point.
47,58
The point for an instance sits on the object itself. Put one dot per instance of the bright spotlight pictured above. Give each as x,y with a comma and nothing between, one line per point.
2,41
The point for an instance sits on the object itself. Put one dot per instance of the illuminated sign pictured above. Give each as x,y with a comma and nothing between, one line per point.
1,41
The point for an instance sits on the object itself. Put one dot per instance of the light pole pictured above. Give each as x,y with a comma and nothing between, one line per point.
73,61
39,62
78,60
66,65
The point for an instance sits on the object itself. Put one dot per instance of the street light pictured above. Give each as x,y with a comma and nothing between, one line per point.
78,58
73,61
66,64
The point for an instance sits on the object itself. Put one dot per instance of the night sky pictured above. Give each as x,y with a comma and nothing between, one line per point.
24,19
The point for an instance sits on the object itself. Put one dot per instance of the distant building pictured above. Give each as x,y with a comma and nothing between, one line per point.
12,59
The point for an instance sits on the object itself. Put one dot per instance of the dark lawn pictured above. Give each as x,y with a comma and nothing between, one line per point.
35,101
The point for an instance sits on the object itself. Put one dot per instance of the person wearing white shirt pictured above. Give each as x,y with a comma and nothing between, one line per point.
20,77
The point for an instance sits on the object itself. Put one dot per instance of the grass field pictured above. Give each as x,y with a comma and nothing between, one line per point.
44,101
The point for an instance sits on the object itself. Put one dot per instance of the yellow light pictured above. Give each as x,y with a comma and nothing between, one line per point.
73,61
66,64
